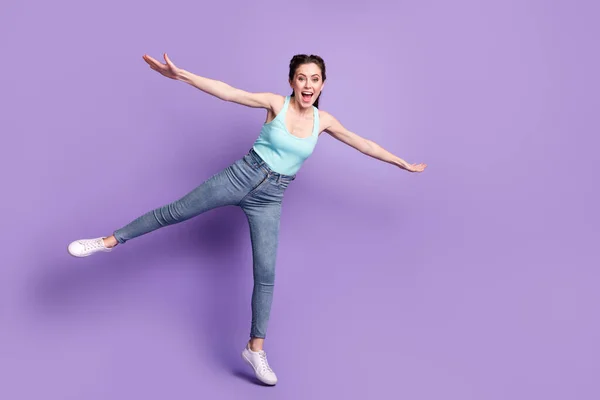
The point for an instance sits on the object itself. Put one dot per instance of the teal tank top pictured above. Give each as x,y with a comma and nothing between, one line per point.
283,152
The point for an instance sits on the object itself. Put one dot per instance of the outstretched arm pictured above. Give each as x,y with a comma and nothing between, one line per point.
213,87
365,146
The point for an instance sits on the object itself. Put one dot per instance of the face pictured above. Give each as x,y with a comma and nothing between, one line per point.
307,84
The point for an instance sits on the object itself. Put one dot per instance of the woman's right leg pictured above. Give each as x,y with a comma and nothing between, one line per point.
216,191
227,187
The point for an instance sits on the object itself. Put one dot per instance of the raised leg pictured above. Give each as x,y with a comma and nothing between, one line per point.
215,192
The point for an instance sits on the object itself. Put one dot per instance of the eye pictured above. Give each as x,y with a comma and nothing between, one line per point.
315,79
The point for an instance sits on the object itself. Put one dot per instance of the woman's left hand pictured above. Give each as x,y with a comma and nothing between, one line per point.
169,69
416,167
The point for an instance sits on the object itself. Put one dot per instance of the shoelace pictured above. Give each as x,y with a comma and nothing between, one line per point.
92,244
264,362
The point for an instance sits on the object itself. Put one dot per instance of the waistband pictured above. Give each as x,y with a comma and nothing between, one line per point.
261,163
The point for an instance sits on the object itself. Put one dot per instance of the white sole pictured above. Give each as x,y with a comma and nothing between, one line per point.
79,256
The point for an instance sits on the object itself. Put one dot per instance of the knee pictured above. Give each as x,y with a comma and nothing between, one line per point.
170,214
265,276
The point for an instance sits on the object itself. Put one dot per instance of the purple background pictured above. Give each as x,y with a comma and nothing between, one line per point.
474,280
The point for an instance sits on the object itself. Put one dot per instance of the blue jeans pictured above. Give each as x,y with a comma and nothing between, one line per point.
250,184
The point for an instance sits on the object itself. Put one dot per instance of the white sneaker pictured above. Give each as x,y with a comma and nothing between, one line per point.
86,247
258,361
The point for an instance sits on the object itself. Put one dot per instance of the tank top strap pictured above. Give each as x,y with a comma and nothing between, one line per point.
286,103
316,121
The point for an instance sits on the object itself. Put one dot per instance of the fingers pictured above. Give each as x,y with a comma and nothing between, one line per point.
417,167
169,62
157,65
151,61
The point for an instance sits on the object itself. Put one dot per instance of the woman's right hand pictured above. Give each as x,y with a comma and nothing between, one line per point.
169,69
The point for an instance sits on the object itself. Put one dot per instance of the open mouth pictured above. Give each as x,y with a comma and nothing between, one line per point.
306,96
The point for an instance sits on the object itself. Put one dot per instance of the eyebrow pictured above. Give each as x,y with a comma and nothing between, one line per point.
300,73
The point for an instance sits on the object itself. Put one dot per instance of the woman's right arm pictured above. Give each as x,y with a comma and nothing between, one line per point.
213,87
227,92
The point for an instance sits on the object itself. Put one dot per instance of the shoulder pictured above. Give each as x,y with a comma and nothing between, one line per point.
276,101
326,119
324,115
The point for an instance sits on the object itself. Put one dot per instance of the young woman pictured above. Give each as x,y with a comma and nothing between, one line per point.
256,182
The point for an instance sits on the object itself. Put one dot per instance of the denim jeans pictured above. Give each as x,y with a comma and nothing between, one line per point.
250,184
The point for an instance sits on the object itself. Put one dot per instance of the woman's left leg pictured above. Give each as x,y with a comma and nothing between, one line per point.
264,224
264,234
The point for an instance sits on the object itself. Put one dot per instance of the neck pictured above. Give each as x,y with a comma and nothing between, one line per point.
303,112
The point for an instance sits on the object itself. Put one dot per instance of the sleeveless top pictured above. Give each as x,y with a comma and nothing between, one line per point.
283,152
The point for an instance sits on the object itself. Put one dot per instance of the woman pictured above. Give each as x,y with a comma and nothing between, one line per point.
257,181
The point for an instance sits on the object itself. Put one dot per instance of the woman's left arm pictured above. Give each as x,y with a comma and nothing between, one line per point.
332,126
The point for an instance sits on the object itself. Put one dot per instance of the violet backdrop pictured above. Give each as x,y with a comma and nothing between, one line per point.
476,279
